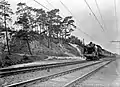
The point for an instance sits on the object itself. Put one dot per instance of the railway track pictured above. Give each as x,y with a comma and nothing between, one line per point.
13,71
85,76
27,83
20,70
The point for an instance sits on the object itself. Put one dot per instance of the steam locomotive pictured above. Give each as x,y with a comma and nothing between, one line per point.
95,52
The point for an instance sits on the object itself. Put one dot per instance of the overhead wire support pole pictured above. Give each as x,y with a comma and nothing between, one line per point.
100,13
116,14
94,15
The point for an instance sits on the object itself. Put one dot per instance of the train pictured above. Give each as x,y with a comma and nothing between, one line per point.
95,52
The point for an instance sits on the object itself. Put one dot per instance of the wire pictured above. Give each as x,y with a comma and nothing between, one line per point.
76,20
66,7
41,4
85,33
100,13
53,6
50,4
94,15
68,10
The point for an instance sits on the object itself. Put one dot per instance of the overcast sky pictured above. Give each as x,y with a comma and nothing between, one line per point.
85,19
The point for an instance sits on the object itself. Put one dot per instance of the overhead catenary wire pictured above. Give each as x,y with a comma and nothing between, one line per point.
100,13
76,20
85,33
50,4
94,15
70,13
41,5
53,7
66,7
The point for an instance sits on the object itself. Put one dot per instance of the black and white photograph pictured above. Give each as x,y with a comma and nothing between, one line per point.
59,43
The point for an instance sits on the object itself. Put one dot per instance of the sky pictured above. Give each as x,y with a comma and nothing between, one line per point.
85,20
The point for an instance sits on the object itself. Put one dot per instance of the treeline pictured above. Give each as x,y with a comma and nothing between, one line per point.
34,23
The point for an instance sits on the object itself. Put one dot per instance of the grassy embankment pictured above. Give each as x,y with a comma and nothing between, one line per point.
40,51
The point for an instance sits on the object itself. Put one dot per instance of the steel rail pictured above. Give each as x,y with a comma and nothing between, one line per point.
85,76
20,70
46,78
40,65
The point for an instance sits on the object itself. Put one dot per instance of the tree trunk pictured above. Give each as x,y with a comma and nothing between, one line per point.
40,32
65,35
58,37
49,36
28,46
51,39
40,28
6,33
48,42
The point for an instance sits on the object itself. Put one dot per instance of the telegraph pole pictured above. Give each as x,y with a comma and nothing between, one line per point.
118,43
